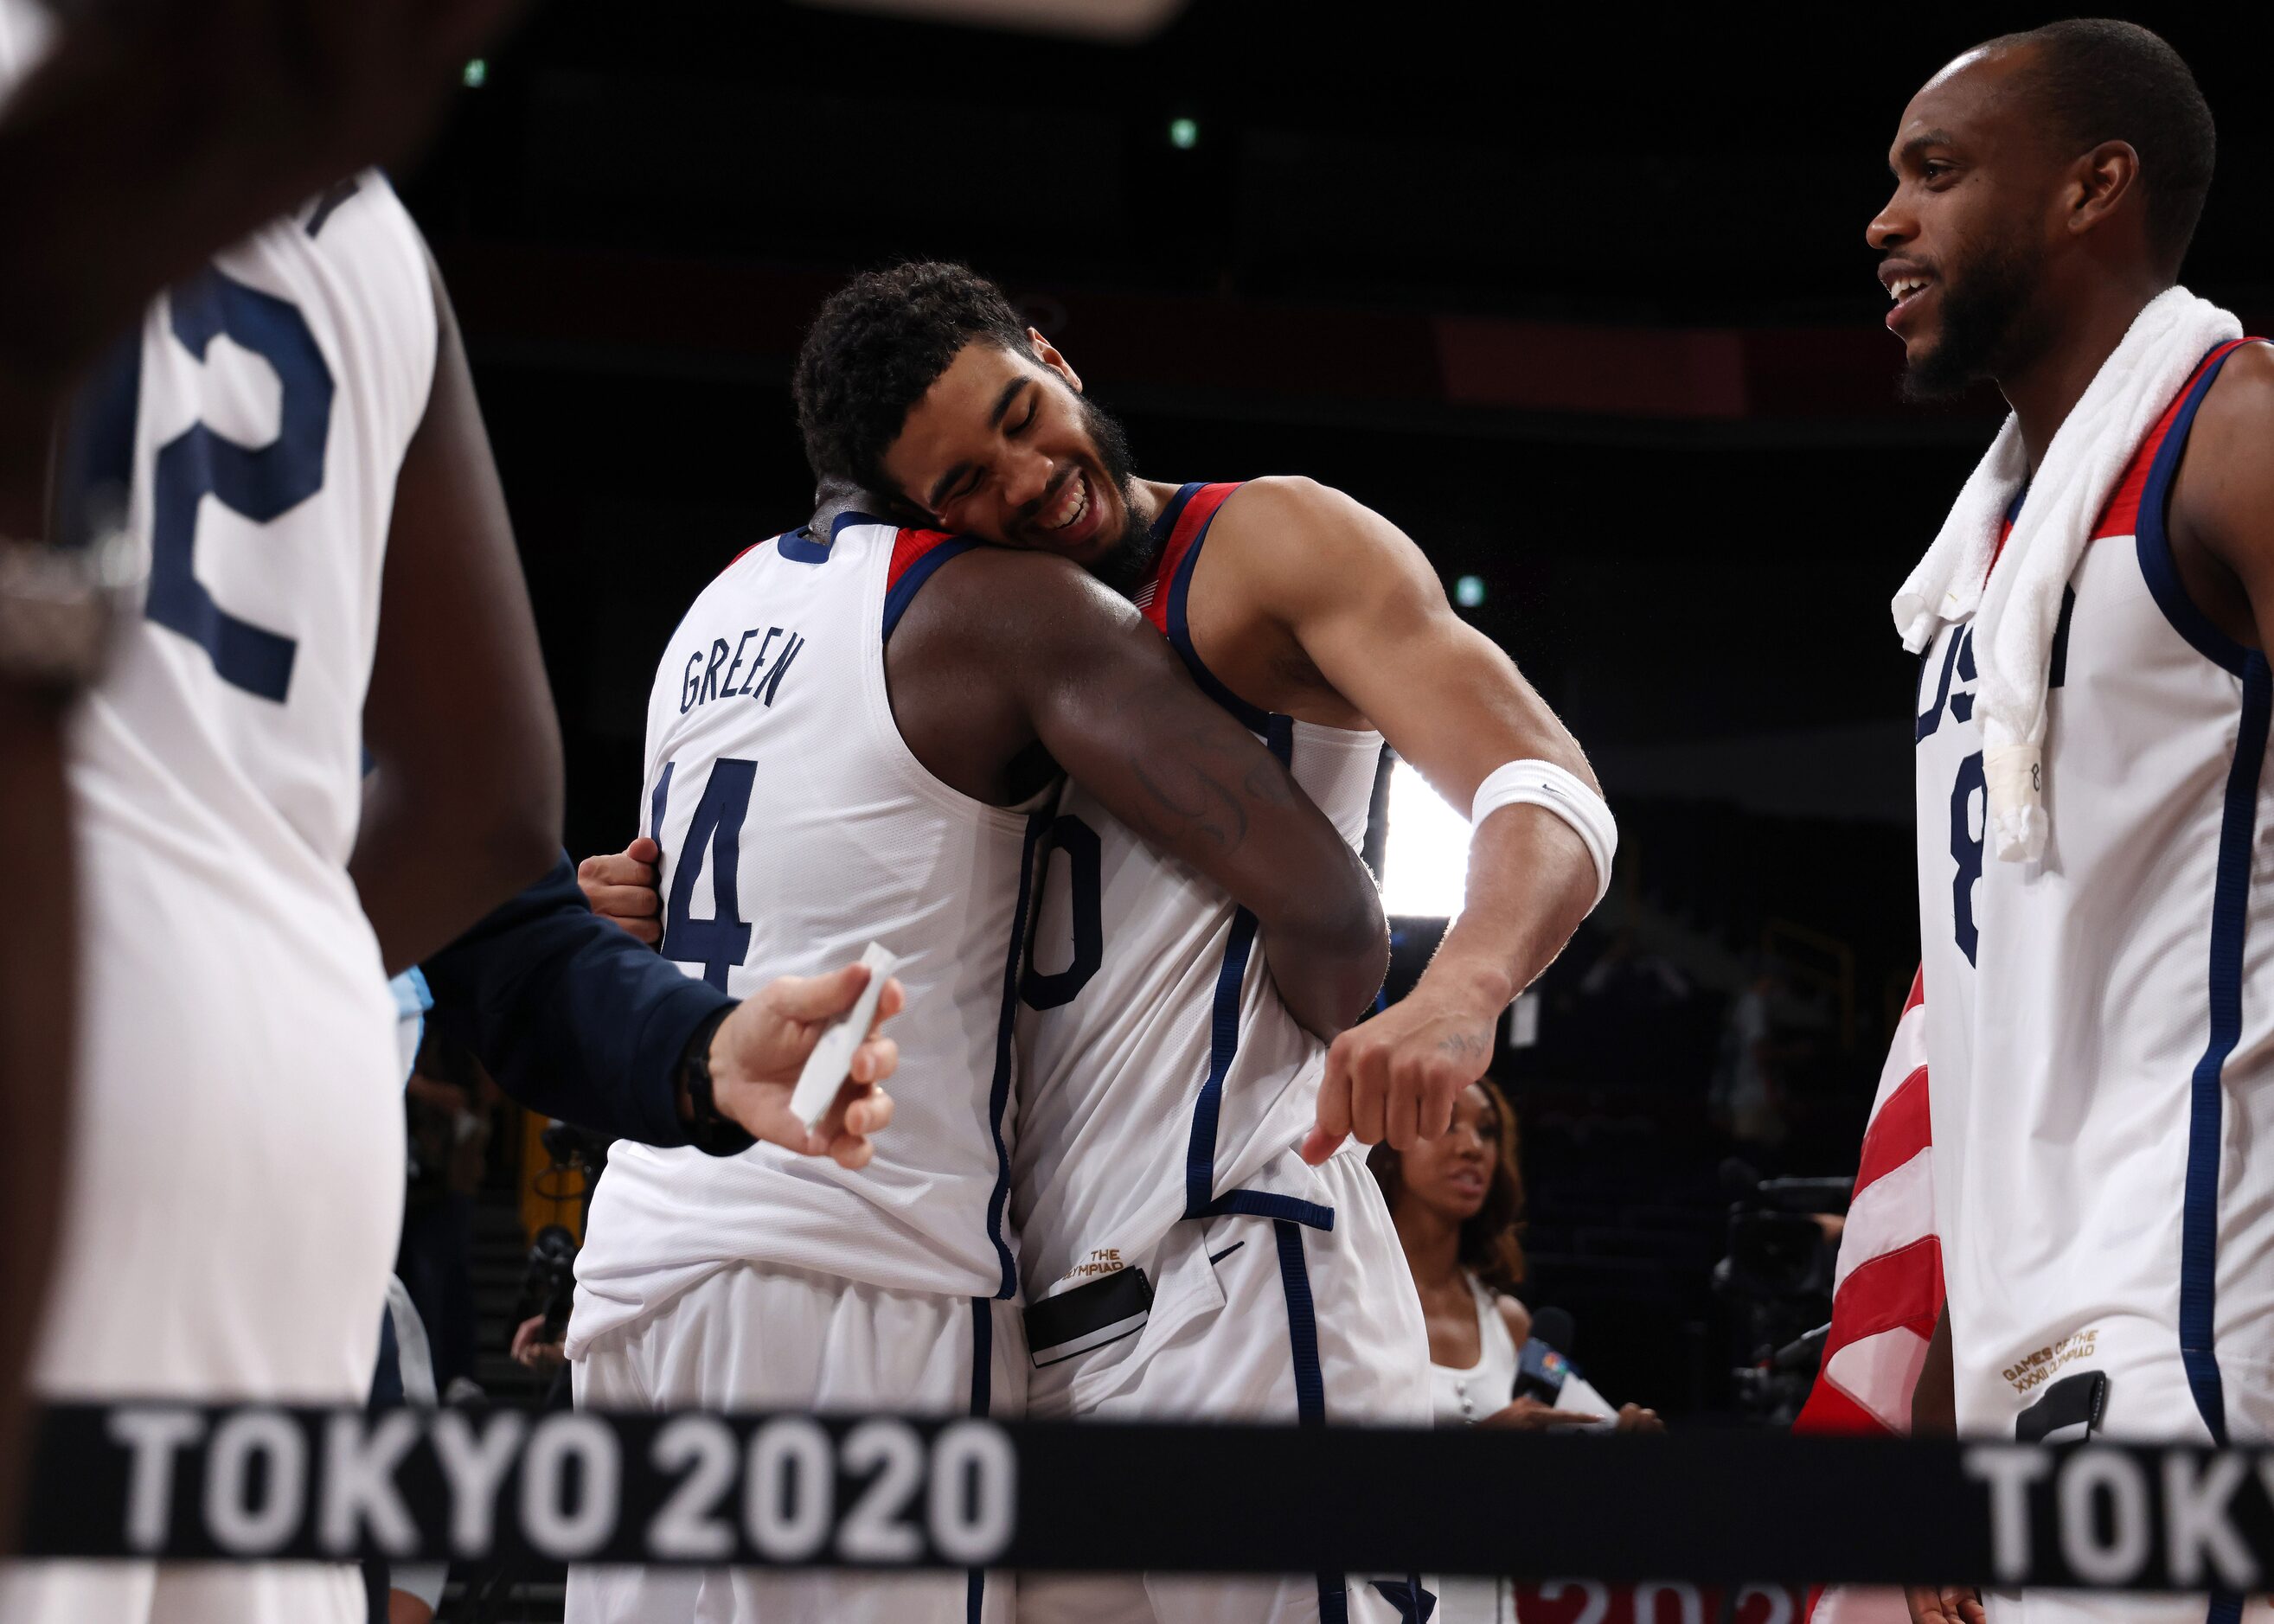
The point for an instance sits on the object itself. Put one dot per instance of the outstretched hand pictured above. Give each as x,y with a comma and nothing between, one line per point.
1529,1414
759,1050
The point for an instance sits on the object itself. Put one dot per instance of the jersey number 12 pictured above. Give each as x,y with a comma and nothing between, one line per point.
260,484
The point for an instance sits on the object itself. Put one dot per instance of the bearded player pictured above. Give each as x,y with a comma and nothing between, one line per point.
1198,1236
2092,729
856,734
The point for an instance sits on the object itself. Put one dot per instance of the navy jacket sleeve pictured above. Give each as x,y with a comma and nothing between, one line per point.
573,1016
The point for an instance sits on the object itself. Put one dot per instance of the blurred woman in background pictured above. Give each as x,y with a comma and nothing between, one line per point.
1458,1202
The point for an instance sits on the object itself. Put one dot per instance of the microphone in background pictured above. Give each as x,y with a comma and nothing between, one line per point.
1554,1327
1543,1363
1544,1371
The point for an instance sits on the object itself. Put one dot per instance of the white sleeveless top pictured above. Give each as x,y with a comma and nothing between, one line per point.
2100,1023
796,827
1164,1079
1462,1398
236,1037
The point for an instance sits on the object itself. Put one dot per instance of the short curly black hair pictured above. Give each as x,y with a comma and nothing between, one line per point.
877,343
2100,80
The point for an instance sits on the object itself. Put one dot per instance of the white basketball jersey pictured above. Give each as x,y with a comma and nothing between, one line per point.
239,1107
796,828
2100,1023
1162,1075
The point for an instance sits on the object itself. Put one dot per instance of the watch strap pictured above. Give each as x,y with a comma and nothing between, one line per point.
707,1130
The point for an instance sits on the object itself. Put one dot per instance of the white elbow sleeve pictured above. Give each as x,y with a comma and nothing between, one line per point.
1552,788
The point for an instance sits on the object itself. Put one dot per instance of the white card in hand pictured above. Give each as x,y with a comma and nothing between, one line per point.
832,1056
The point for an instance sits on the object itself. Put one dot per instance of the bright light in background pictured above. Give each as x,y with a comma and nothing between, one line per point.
1425,864
1126,21
478,73
1469,592
1183,133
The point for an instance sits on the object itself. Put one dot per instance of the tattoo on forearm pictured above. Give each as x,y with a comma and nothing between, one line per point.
1269,783
1196,799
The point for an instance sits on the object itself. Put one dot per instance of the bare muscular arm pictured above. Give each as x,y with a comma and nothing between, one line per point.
39,950
152,136
463,807
2222,509
1368,612
1003,651
1934,1415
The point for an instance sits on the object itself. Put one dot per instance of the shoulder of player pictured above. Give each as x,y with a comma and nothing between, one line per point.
1004,602
2226,490
1300,541
2240,401
1293,509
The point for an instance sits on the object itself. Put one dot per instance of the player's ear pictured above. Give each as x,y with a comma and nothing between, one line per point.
1049,357
2100,182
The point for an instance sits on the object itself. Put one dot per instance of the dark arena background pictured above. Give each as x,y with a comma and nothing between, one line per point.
1578,297
1581,302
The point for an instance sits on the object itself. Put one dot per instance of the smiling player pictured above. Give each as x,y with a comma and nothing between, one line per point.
1183,1257
2091,730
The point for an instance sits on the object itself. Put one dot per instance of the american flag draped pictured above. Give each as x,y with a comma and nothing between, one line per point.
1888,1289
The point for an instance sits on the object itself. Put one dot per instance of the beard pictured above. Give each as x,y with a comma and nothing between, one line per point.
1127,563
1986,325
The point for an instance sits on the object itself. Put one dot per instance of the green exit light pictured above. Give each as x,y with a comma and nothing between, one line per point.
1469,592
1183,133
478,73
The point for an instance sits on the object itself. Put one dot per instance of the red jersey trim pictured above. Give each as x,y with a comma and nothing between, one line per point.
909,548
2121,516
1190,524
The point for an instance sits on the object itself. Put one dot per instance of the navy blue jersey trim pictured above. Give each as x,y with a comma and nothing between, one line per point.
2229,919
998,1098
1165,525
657,799
837,525
2058,675
1270,1203
1253,717
982,1355
1224,1044
799,547
983,1367
1415,1603
904,591
1310,1381
1224,1026
2154,543
1302,1325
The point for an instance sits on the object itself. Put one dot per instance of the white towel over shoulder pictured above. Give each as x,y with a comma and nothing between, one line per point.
2015,612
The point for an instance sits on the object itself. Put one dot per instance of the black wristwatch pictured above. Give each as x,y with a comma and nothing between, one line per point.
708,1132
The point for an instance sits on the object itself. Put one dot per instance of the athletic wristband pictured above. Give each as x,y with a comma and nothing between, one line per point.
1551,788
711,1133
